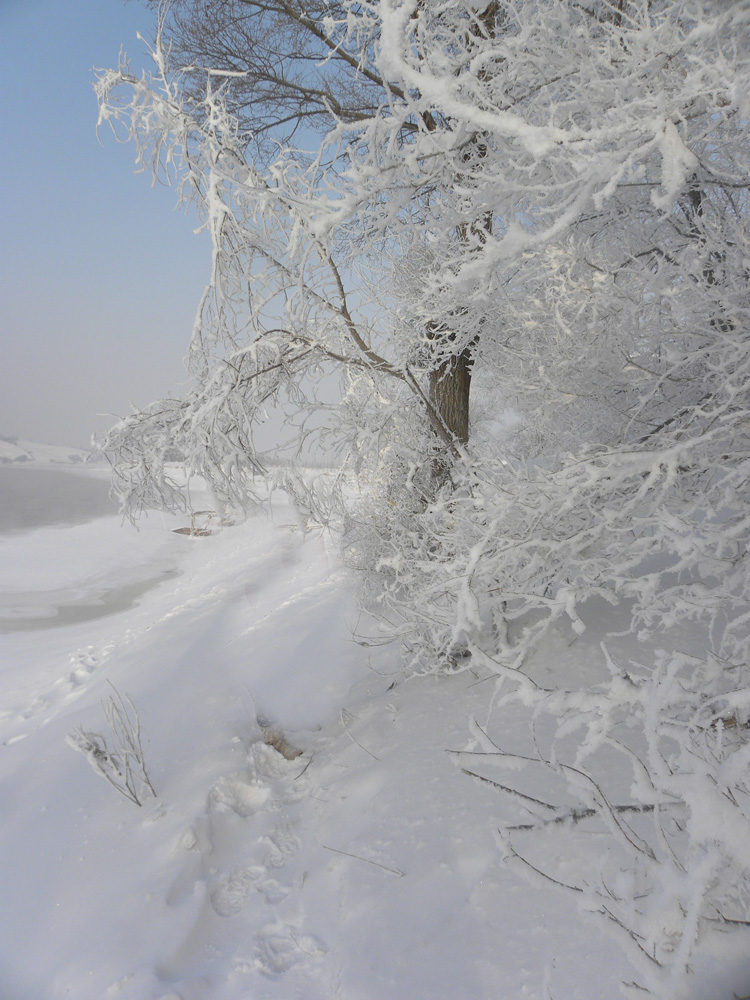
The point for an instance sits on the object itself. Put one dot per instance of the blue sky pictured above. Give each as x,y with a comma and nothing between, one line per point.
100,274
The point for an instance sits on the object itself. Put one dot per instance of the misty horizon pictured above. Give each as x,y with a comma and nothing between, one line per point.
99,275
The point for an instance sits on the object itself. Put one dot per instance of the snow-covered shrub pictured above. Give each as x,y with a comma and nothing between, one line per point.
656,761
118,758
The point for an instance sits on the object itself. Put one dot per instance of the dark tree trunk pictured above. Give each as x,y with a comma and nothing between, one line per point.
450,387
450,379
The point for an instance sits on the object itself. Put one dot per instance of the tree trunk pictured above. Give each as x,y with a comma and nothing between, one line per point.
450,387
450,381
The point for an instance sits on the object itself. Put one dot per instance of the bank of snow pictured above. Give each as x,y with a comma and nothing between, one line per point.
368,868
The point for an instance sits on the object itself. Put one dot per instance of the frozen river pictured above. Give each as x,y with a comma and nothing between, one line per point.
65,555
33,498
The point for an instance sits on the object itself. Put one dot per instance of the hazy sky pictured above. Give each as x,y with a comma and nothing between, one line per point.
99,273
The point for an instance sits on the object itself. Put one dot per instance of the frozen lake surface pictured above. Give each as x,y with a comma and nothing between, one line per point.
65,557
31,497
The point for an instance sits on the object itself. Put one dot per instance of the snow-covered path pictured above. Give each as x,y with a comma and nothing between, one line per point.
367,868
247,618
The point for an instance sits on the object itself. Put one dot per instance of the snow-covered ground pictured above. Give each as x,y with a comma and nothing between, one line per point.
367,868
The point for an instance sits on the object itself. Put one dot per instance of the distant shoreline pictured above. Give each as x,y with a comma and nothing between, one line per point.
18,452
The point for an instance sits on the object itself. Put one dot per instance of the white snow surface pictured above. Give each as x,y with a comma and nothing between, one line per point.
368,868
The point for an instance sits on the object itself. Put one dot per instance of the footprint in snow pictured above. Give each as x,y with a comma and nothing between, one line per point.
236,793
278,947
262,796
83,663
235,889
284,844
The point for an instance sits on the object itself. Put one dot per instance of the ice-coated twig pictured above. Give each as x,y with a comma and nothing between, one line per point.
575,815
511,791
631,934
537,871
358,857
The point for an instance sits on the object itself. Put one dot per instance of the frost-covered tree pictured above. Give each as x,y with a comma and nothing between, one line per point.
534,210
460,135
286,75
562,226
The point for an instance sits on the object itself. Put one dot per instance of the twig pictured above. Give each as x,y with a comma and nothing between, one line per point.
483,680
607,810
488,738
731,920
511,791
393,871
303,769
544,875
574,815
352,738
631,934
